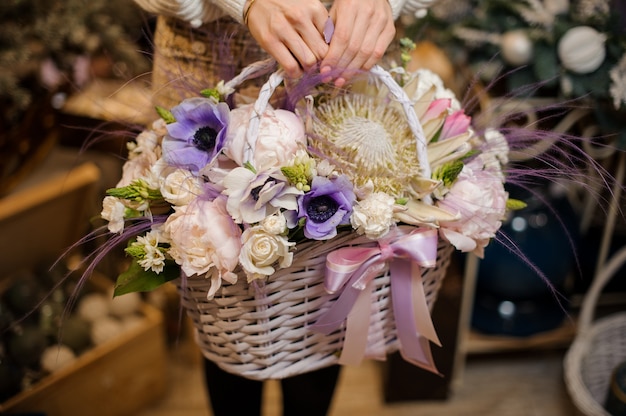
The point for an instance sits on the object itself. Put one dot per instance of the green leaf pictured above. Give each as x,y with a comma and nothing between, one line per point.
136,279
165,114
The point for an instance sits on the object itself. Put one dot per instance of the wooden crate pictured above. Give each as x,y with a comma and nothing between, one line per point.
116,378
48,212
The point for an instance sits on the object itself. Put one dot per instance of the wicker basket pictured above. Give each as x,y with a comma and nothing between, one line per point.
262,331
598,347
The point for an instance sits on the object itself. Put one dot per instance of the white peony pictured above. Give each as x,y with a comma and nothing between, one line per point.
280,135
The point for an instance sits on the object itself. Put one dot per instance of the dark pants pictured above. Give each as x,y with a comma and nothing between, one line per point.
308,394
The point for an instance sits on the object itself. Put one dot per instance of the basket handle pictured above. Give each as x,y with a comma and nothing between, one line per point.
260,68
603,276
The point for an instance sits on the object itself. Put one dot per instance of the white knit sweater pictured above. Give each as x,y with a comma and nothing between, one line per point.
197,12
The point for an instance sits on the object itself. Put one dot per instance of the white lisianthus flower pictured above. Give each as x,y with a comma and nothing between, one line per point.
261,251
280,135
113,211
154,257
373,215
479,197
179,186
252,197
204,241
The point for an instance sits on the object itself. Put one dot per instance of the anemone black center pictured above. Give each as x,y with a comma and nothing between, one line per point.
320,209
257,190
204,138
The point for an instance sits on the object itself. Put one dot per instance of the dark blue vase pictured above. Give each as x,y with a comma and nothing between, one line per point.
511,298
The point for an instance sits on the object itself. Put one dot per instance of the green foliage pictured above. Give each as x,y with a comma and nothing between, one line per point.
59,31
136,279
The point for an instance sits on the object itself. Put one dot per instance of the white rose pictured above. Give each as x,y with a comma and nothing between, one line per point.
280,135
113,211
373,215
180,187
261,251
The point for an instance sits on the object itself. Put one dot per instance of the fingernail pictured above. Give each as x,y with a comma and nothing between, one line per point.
340,82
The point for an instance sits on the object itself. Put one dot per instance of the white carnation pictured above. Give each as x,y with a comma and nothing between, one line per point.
275,224
374,215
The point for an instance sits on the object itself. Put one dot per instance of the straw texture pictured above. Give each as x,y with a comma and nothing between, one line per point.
597,349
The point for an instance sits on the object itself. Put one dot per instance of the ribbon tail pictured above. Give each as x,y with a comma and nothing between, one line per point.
336,315
357,328
421,312
414,347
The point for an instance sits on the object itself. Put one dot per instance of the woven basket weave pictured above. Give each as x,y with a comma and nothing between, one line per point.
598,347
262,333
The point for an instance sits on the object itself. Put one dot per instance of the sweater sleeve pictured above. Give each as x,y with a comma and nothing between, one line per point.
197,12
416,8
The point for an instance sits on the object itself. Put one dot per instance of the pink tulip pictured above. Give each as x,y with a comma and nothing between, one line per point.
435,109
455,124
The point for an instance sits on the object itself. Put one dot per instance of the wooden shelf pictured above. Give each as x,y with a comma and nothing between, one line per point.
561,337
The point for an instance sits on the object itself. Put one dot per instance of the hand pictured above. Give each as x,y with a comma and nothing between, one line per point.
290,31
363,31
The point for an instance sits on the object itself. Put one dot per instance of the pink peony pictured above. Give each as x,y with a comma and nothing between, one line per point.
204,239
280,135
478,195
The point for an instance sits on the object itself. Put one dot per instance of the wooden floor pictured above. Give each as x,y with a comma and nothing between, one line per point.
504,385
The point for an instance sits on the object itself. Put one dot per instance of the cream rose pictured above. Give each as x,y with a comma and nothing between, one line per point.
261,251
179,186
280,135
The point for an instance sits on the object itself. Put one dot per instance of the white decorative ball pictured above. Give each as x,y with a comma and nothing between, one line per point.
94,306
516,46
57,356
581,49
105,329
126,304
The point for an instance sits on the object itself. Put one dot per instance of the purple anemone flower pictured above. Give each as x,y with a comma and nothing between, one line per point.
326,206
196,138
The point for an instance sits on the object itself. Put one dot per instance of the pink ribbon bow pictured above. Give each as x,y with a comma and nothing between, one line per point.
352,270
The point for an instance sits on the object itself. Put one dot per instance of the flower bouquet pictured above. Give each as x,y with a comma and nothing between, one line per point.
311,232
